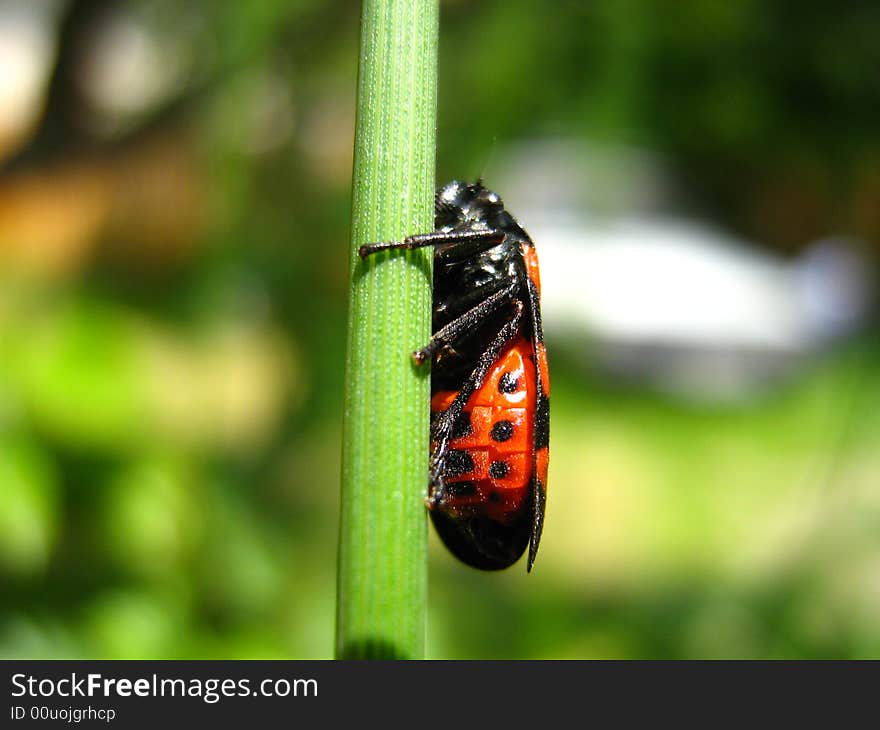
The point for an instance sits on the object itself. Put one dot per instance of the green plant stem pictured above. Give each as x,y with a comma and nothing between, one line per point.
382,578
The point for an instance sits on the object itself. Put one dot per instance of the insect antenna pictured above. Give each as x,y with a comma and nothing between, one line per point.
490,155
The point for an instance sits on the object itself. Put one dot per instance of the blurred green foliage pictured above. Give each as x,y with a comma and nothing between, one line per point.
171,361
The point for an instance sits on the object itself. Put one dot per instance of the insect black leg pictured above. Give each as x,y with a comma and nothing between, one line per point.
453,330
442,430
467,242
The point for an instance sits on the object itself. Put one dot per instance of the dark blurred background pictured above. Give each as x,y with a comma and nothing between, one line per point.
702,180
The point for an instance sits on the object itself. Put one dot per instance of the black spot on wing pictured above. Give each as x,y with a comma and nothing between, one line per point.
501,431
462,426
461,489
498,469
457,462
508,383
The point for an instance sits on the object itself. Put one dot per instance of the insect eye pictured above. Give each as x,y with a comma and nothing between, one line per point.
488,199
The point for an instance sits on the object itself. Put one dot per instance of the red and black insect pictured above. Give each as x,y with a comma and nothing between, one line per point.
490,406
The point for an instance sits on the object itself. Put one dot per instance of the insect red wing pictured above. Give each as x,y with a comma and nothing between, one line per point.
486,516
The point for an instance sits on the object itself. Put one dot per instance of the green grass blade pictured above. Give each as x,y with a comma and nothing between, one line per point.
382,579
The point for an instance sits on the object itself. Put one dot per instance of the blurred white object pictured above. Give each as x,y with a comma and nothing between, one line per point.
666,297
667,281
26,56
